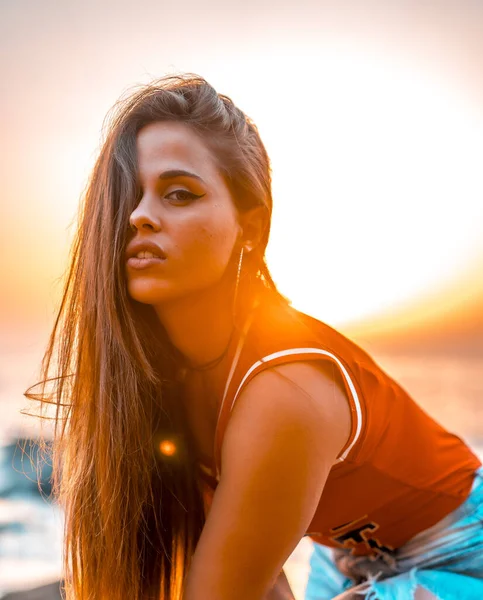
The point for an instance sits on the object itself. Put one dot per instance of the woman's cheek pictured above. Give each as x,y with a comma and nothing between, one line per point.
210,243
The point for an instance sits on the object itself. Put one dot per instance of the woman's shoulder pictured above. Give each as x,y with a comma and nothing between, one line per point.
310,393
300,403
312,390
320,361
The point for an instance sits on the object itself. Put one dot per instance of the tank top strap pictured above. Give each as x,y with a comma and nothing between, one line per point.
224,410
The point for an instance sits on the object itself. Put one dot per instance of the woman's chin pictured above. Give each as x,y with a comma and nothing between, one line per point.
160,292
147,294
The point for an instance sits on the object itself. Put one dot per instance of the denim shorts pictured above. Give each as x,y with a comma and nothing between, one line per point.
446,560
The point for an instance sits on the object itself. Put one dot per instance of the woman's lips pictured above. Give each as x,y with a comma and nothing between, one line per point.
144,263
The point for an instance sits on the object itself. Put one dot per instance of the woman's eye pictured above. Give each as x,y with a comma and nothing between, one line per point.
182,196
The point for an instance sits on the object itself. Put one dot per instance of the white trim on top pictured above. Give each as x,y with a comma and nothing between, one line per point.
234,364
295,351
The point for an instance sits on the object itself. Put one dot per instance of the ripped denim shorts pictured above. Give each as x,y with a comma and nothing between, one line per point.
446,560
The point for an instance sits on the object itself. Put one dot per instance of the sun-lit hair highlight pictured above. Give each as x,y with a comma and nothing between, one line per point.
133,513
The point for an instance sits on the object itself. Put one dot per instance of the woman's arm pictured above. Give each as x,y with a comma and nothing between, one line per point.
281,590
281,441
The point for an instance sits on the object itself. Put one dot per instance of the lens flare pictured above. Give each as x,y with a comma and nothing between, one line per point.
167,447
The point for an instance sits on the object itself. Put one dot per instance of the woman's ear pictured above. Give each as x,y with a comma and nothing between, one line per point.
253,223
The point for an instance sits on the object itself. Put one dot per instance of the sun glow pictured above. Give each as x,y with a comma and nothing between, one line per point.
376,176
376,181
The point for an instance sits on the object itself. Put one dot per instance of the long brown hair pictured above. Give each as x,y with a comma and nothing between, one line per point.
133,515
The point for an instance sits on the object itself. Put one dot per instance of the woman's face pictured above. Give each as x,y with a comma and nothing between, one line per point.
191,218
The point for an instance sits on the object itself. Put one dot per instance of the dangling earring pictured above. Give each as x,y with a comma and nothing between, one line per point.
240,261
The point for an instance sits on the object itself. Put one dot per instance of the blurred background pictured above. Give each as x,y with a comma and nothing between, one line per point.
372,114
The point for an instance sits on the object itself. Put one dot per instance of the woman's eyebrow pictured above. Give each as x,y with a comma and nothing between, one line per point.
173,173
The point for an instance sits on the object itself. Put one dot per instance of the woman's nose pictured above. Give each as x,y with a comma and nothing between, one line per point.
143,218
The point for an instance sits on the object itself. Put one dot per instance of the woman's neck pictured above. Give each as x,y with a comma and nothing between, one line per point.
199,326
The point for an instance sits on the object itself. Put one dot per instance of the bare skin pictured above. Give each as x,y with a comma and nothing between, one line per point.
289,422
419,594
422,594
281,590
196,223
280,434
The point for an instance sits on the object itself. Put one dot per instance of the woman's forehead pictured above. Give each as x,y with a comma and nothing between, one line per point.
163,146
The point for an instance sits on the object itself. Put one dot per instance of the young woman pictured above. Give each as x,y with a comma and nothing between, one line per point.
204,426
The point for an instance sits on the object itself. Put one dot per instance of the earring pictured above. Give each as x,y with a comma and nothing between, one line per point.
240,261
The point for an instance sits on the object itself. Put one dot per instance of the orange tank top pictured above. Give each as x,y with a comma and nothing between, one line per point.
399,473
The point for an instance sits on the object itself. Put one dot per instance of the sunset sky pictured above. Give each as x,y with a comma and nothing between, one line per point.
372,114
